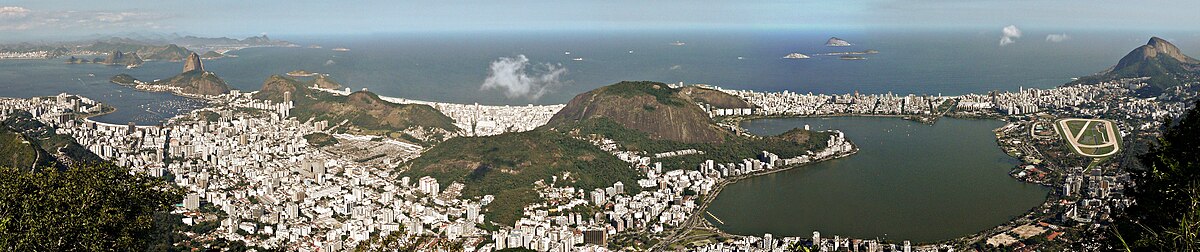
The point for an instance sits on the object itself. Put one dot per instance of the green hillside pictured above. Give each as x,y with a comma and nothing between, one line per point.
640,116
362,109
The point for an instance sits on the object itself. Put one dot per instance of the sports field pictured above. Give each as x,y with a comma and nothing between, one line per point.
1090,137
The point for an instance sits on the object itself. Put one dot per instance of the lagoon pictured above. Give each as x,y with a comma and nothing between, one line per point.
909,181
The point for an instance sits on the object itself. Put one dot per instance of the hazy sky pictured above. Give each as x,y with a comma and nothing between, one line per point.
53,18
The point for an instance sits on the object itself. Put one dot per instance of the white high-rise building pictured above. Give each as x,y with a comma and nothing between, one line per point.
192,202
428,185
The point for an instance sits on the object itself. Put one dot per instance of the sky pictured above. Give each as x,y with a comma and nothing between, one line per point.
48,19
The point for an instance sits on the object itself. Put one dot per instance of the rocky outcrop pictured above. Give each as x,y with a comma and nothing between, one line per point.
196,83
1157,47
834,41
193,63
1163,63
326,82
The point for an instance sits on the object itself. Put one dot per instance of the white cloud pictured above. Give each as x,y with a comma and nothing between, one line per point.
1010,34
518,79
21,18
1055,38
13,12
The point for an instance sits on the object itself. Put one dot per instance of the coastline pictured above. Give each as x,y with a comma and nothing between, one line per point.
694,221
964,239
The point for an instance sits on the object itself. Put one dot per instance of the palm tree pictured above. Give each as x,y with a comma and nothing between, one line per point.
798,246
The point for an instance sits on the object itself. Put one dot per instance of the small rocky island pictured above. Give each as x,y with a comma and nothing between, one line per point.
834,41
796,56
868,51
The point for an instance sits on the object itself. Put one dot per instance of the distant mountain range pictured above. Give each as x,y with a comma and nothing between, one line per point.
1163,63
170,48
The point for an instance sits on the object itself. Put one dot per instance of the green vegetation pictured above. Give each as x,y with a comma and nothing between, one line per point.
123,79
36,143
640,116
363,109
660,91
1166,215
209,116
88,207
1074,127
320,139
196,82
15,151
793,143
663,113
507,165
212,55
1092,136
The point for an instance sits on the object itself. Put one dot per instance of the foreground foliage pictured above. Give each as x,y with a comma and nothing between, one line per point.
87,207
1166,215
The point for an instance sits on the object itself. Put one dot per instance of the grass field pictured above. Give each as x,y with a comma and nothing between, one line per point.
1090,137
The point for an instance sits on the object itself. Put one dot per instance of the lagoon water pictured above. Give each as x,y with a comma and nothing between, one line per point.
909,181
451,67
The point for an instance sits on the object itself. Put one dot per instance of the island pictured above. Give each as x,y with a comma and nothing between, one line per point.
837,42
868,51
795,56
301,73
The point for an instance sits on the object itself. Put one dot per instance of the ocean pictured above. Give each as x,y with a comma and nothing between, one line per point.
451,67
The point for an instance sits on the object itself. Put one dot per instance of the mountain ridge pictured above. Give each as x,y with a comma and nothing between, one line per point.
1160,60
363,109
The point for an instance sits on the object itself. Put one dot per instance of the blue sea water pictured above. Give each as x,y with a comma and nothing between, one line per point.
451,67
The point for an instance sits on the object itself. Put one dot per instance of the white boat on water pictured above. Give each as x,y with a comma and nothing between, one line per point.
577,59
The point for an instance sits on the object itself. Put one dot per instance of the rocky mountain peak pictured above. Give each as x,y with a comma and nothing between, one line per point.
1161,46
193,63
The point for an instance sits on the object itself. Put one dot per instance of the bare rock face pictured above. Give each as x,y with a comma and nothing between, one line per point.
193,63
1166,48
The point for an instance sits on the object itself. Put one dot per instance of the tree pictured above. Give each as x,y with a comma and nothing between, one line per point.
1166,212
86,207
798,246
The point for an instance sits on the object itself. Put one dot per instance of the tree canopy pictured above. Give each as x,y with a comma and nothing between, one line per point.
1166,212
87,207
